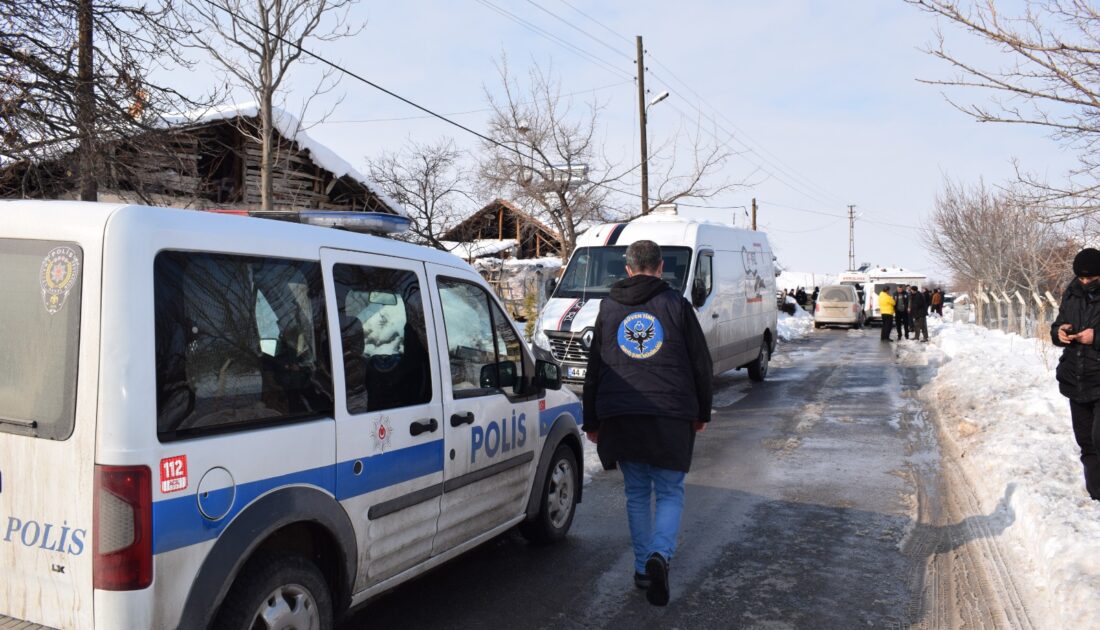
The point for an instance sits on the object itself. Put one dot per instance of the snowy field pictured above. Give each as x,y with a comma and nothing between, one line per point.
996,399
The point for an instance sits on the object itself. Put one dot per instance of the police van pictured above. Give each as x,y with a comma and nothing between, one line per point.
232,422
727,273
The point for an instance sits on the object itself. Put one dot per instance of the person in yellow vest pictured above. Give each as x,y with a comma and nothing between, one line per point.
886,309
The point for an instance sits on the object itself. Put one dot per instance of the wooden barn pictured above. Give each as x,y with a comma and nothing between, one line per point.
211,161
502,221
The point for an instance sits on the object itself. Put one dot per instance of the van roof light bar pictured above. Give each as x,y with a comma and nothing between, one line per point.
377,223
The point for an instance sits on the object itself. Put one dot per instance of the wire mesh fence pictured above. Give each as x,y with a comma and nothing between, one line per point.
1026,314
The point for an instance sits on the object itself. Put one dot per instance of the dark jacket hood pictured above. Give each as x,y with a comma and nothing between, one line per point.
637,289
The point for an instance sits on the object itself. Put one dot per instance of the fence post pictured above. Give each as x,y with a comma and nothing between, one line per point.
1042,308
997,306
1010,319
1023,314
978,304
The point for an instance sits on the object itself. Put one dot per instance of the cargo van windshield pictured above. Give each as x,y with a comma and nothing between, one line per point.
39,334
593,270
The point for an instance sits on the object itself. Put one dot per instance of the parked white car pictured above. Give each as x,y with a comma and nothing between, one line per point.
838,305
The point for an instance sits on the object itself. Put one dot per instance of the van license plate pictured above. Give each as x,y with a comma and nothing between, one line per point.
576,372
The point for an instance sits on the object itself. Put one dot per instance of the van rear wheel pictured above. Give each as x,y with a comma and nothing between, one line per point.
275,592
758,369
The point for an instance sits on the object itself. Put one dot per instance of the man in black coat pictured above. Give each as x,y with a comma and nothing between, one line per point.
647,392
1079,368
901,310
918,313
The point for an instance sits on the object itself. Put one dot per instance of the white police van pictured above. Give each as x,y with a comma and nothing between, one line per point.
727,273
209,421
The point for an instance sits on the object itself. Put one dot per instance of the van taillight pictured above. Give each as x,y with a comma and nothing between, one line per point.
123,547
817,307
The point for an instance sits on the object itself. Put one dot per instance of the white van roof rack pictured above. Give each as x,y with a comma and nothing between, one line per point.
378,223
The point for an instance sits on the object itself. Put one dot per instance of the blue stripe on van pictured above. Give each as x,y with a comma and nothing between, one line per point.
178,523
547,417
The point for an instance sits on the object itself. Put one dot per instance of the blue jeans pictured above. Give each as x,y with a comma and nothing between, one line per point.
652,531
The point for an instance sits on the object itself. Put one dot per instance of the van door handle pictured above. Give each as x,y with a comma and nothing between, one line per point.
460,419
423,426
714,315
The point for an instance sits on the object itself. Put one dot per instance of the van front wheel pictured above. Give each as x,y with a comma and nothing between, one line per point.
276,592
558,502
758,369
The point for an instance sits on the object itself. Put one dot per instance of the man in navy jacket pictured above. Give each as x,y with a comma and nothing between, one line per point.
647,392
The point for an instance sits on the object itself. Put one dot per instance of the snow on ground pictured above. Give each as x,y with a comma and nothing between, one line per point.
996,398
790,327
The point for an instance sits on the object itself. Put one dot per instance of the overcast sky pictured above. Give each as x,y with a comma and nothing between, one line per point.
821,97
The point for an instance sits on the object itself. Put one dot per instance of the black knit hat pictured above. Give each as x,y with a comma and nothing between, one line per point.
1087,263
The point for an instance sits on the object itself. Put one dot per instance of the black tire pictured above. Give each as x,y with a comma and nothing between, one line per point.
558,500
817,326
758,369
285,584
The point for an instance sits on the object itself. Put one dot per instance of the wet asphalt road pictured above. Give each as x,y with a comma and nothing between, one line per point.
799,498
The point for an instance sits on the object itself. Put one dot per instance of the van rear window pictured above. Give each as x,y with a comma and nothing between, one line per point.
39,336
241,342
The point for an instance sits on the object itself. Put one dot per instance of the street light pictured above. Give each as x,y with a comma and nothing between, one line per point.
645,148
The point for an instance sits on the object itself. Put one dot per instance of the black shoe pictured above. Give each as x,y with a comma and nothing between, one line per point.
641,580
656,569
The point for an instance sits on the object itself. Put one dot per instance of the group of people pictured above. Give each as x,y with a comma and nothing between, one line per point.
906,309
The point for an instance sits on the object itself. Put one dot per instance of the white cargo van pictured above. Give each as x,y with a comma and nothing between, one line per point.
879,278
727,274
209,420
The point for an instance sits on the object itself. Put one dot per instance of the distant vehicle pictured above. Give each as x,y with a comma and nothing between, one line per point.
725,272
838,305
871,281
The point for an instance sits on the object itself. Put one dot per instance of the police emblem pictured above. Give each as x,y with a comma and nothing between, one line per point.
382,431
57,276
640,335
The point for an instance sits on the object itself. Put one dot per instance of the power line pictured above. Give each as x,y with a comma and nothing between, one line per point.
605,64
597,22
471,111
578,29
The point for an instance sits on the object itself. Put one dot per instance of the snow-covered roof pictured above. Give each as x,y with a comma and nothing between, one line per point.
479,248
290,128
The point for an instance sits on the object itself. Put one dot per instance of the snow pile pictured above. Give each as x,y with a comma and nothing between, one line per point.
790,327
997,400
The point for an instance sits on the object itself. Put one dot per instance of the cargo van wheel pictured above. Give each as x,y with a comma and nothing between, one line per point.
758,369
276,592
558,503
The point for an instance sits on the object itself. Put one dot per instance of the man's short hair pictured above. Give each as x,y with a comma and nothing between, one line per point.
643,256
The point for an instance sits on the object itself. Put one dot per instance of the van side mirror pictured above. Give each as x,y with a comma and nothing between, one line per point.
547,375
551,286
498,375
698,295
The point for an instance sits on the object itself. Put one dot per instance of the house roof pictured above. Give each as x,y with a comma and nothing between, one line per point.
511,207
290,127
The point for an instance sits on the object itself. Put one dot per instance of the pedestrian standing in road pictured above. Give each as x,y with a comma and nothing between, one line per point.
1079,368
937,302
901,311
886,304
927,301
918,314
647,393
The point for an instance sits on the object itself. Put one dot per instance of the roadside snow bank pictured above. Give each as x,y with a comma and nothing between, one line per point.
997,399
790,327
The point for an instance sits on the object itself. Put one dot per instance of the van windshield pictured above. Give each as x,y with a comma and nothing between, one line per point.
39,334
593,270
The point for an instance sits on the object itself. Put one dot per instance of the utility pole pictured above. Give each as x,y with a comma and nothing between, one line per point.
851,238
641,118
754,214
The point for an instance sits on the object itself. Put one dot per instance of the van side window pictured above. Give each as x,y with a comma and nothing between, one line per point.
241,342
485,352
704,274
383,338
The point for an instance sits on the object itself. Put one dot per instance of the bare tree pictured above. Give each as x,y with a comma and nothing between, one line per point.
553,163
258,43
75,81
1051,78
993,238
427,180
